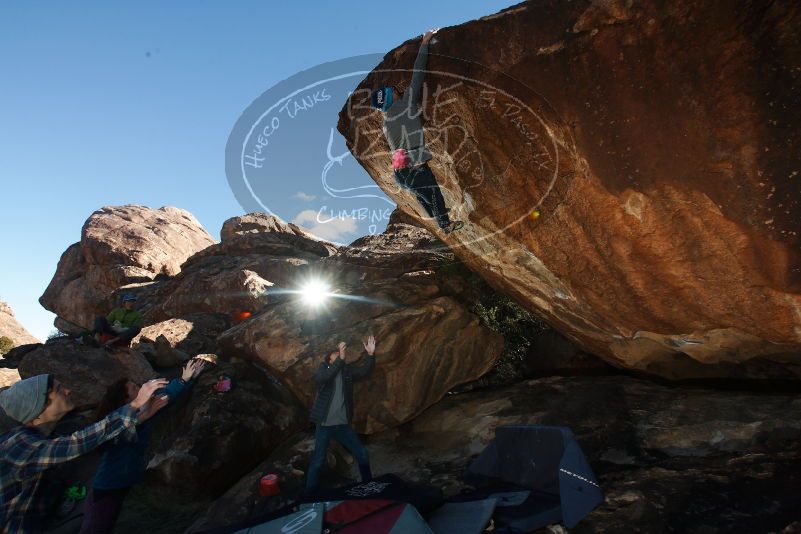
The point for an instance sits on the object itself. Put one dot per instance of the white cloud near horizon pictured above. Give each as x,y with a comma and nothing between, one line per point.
305,197
333,230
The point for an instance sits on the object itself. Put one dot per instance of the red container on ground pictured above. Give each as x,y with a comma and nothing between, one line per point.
268,486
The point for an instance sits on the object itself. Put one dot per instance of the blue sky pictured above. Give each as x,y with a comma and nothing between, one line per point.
107,103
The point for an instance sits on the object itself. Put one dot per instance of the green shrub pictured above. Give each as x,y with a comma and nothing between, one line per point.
6,344
55,334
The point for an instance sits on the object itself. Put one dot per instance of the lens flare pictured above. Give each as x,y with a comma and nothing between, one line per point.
315,293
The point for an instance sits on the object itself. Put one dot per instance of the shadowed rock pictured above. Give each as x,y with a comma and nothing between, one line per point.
735,455
209,440
85,370
171,342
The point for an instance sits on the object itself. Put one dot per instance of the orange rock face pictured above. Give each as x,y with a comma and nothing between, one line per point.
631,173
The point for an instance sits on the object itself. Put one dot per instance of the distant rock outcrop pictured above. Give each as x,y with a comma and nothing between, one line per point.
120,245
628,171
10,327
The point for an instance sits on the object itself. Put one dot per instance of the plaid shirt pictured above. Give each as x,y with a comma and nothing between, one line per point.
25,454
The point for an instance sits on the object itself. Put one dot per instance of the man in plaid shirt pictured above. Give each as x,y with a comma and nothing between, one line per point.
27,451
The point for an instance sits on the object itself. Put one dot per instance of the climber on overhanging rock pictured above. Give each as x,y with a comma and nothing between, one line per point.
122,323
404,132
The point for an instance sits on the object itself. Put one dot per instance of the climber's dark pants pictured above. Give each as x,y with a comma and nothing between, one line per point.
346,436
102,327
101,510
420,180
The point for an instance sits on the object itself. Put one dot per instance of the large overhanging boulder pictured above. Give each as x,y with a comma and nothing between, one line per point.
120,245
628,171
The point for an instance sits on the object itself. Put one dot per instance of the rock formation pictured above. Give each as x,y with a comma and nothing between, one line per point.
649,445
86,371
397,289
209,440
257,252
10,327
171,342
628,171
120,245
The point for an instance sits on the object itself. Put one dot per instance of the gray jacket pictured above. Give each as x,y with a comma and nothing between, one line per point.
402,125
324,378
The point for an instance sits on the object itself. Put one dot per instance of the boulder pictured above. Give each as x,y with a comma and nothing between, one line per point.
120,245
12,329
628,171
86,371
68,328
209,440
262,223
8,376
428,339
257,252
9,363
402,249
172,342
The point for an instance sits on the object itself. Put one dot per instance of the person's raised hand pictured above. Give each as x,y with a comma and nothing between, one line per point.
197,367
153,406
342,346
146,391
369,345
429,34
188,371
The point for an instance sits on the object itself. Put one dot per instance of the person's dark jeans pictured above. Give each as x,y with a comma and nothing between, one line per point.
420,180
101,510
345,435
102,327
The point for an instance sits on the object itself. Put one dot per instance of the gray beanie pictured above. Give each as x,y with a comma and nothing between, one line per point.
25,400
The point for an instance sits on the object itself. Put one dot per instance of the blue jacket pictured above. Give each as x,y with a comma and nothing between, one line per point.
123,463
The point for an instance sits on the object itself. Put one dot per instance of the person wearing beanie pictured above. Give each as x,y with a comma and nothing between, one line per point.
332,411
26,451
123,323
404,132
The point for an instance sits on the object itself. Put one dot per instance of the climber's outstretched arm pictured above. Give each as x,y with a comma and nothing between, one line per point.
415,88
